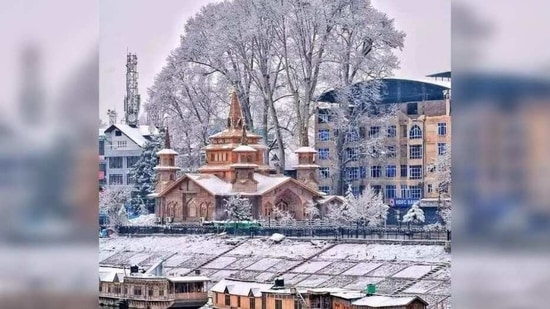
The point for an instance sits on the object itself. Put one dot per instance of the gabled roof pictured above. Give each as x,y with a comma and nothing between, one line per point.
241,288
386,301
137,134
216,186
331,198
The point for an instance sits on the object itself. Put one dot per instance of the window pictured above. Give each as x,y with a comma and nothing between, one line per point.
392,131
404,169
441,148
415,132
356,190
352,154
353,173
115,162
252,303
363,172
324,172
101,148
238,301
404,191
390,151
415,152
442,129
323,153
430,189
403,130
118,133
390,191
377,189
161,293
412,108
150,292
325,189
376,171
121,144
415,192
323,116
227,300
374,131
131,161
278,304
415,172
323,135
116,179
137,290
391,171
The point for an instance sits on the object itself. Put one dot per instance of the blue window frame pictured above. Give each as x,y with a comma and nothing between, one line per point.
323,153
391,171
441,148
415,132
324,135
390,191
442,129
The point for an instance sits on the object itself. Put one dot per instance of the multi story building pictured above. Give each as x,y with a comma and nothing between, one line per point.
412,140
123,145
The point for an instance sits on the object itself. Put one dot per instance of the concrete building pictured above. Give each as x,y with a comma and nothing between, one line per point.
420,132
123,145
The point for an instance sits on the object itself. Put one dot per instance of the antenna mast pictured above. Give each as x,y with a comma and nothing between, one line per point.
132,100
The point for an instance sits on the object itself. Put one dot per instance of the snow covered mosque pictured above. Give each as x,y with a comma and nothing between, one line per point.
235,165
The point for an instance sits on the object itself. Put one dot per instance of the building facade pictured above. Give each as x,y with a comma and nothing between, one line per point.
122,145
413,139
234,165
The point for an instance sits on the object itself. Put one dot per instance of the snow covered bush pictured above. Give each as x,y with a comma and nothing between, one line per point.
367,209
311,211
111,203
238,208
415,215
283,217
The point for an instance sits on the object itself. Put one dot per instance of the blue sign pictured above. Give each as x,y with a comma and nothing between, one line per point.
402,202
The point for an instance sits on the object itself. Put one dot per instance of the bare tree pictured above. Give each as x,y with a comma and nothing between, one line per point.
112,200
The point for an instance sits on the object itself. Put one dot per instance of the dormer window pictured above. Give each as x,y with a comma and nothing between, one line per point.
118,133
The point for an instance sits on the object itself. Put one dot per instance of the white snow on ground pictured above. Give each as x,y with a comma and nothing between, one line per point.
263,264
422,287
286,248
186,244
310,267
357,252
414,272
362,269
143,220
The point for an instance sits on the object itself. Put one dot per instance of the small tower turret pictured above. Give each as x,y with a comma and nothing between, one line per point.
166,168
306,170
243,171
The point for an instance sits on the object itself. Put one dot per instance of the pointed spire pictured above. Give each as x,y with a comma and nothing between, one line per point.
167,140
235,119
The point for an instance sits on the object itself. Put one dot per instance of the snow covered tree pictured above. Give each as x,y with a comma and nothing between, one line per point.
145,176
342,214
238,208
368,209
283,217
112,201
441,170
414,215
311,211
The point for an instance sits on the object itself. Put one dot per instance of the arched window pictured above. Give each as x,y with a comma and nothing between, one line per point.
192,209
415,132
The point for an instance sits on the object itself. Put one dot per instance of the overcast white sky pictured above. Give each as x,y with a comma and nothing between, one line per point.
152,29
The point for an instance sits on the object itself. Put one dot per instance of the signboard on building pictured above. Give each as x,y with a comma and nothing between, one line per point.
402,202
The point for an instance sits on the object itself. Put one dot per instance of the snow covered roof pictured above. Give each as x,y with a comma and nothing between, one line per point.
217,186
305,150
348,294
385,301
244,148
137,134
330,198
111,274
167,151
241,288
189,279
